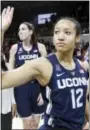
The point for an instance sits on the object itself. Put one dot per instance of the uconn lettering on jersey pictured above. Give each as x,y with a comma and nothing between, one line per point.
71,82
28,57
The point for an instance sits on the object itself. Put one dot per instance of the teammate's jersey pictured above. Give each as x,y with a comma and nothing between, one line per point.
68,96
22,54
26,95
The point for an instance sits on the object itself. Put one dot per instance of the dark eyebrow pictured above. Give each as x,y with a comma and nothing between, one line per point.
68,29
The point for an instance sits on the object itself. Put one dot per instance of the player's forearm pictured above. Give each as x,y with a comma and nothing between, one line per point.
17,77
1,42
1,37
10,66
87,110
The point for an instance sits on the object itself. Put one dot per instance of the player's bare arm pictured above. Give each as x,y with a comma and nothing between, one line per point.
12,56
39,68
42,49
87,104
85,65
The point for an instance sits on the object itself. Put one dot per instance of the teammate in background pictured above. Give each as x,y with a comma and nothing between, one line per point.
87,54
77,51
28,97
65,76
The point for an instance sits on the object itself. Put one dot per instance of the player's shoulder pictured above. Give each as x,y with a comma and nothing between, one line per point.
40,45
14,48
40,63
42,49
41,60
84,65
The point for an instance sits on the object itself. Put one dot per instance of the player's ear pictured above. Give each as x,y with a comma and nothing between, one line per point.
78,39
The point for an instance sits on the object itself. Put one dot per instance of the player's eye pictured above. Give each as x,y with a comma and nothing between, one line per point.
56,31
67,32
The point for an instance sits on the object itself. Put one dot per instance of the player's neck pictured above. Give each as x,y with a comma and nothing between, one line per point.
26,43
65,56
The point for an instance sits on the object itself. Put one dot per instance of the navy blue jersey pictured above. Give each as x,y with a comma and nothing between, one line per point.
22,54
26,95
68,96
20,57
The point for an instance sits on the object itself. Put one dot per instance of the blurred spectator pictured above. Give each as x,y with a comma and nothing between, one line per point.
77,51
83,53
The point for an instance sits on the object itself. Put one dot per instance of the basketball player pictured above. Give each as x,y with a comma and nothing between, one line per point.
27,95
65,75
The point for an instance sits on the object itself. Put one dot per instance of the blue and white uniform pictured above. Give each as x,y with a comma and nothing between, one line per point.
66,108
26,95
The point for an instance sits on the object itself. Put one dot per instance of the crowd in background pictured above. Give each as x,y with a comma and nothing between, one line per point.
80,50
45,30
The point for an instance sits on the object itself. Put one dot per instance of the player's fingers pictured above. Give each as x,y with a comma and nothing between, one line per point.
4,12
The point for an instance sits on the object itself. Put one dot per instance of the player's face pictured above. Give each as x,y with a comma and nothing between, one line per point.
65,36
24,32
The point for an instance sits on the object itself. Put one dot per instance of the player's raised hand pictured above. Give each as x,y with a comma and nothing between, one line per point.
6,18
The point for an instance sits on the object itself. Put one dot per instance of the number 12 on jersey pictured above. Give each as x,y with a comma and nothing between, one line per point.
76,96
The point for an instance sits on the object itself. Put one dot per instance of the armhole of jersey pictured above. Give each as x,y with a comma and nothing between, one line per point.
49,83
86,72
81,66
18,44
